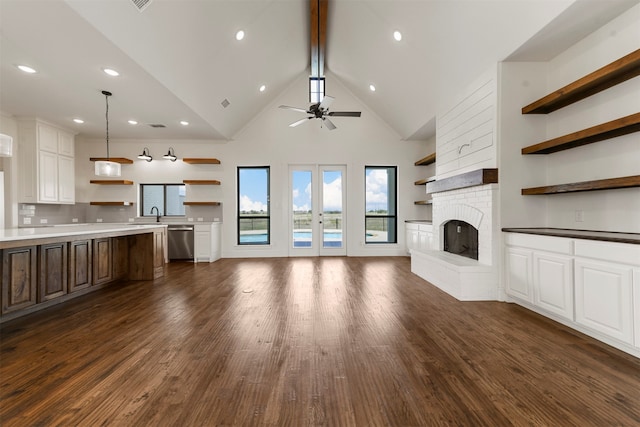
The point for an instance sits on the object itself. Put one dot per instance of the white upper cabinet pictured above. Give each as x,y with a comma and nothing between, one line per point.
47,165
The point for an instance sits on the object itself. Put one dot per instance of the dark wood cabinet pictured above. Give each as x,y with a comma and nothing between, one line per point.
120,249
19,278
53,270
102,261
80,264
158,254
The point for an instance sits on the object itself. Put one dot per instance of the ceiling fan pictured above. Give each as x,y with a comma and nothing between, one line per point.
321,111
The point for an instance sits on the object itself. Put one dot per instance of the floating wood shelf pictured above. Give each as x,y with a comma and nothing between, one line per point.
120,160
111,182
201,181
423,202
612,129
431,158
423,181
464,180
610,75
111,203
201,161
601,184
201,203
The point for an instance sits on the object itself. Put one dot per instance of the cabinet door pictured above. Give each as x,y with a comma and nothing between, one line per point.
80,265
66,180
53,271
636,305
603,298
120,247
65,144
553,283
19,277
47,138
158,254
518,274
47,177
412,238
202,246
102,267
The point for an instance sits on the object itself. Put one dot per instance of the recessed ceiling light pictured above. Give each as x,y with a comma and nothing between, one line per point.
263,88
397,35
79,121
132,122
239,35
26,69
372,88
111,72
184,123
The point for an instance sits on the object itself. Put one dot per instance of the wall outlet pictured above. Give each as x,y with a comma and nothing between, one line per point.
130,219
74,219
216,219
98,219
26,221
200,219
579,215
190,219
43,220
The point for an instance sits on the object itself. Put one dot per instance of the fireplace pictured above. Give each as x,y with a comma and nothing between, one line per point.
461,238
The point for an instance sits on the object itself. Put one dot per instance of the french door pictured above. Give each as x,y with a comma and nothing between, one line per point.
317,214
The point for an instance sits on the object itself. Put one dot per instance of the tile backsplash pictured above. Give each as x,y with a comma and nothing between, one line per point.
37,215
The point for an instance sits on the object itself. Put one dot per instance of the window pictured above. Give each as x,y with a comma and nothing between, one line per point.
168,198
316,89
380,220
254,220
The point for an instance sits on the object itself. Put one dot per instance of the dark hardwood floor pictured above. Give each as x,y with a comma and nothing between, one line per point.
305,341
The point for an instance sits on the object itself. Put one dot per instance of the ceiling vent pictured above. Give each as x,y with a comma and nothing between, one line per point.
225,103
141,4
157,125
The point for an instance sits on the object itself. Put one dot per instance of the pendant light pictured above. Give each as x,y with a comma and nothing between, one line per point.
6,145
107,167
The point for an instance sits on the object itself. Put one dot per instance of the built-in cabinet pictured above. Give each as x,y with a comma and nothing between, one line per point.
37,276
592,286
207,242
46,172
419,236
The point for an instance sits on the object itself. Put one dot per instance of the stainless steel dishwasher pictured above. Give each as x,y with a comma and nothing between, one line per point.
180,238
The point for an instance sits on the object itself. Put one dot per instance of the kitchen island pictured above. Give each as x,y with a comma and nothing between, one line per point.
48,265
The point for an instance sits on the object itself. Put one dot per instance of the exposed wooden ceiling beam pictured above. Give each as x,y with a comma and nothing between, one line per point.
318,36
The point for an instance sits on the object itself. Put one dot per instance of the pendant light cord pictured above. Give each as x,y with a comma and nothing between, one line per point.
106,98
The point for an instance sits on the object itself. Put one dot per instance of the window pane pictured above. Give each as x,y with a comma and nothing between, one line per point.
152,195
175,199
380,204
301,208
253,205
332,209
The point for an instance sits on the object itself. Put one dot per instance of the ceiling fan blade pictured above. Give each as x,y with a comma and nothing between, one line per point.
299,122
344,113
329,124
286,107
326,102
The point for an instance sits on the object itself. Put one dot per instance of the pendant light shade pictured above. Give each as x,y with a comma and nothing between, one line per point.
107,167
6,145
104,168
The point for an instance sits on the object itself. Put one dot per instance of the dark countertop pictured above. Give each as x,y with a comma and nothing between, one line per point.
606,236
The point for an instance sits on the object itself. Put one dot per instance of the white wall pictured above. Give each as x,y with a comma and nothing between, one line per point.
522,83
268,140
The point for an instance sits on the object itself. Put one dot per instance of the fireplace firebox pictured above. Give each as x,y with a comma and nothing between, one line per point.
461,238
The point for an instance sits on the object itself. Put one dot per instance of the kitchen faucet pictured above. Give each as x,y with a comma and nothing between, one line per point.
157,213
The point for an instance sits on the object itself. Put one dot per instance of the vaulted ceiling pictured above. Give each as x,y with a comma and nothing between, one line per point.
180,60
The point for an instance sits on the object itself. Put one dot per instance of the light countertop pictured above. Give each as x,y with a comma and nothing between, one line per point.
15,234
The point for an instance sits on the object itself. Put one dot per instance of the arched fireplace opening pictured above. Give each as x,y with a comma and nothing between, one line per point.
461,238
